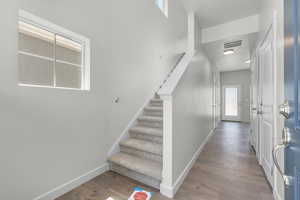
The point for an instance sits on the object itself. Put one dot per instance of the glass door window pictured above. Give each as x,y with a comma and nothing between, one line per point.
231,102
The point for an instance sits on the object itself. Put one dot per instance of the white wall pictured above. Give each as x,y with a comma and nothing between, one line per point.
231,29
51,136
268,8
243,79
192,112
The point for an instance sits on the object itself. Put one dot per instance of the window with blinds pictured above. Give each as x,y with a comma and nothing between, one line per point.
51,56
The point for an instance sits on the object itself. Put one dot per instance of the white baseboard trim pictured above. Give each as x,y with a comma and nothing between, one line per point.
66,187
167,191
217,124
276,195
171,191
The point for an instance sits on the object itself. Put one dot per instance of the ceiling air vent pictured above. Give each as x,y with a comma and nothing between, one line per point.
233,44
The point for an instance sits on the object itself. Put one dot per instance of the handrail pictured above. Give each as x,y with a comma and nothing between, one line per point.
172,70
175,75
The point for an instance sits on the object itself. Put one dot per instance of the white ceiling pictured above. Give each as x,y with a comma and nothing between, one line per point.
215,12
236,61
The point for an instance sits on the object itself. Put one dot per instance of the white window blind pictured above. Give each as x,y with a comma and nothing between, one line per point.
51,56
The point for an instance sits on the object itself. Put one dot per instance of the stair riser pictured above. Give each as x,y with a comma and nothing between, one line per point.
153,113
160,105
141,154
150,124
150,138
136,176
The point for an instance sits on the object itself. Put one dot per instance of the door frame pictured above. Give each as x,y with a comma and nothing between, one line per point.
273,31
255,103
226,118
215,100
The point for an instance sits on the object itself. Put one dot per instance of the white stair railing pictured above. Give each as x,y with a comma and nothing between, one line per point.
172,70
166,94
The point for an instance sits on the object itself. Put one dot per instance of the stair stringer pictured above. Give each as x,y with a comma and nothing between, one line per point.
125,133
129,161
141,159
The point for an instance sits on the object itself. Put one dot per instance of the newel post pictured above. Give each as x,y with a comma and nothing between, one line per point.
167,172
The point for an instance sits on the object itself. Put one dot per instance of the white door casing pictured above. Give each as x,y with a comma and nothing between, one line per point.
215,114
254,105
267,104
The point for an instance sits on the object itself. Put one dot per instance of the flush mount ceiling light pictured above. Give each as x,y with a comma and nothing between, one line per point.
248,61
228,51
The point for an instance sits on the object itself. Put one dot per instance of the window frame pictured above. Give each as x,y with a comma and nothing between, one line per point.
165,8
31,19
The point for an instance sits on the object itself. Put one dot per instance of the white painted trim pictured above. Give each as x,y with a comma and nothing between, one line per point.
276,195
49,26
175,77
167,171
50,87
167,191
191,31
171,191
26,16
66,187
187,169
125,134
269,168
277,127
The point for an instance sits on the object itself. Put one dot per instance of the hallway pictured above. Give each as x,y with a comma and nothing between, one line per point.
226,170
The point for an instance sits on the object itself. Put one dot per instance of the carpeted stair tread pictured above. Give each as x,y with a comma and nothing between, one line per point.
154,108
150,119
156,101
143,166
143,145
147,131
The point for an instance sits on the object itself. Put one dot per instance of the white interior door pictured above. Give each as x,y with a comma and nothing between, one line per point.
231,103
254,106
266,108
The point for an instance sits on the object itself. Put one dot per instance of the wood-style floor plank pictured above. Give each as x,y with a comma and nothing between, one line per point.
227,169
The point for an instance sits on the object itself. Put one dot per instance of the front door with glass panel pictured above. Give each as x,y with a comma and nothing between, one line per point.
231,101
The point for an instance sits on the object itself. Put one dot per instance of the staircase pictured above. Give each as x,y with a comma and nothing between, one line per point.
140,156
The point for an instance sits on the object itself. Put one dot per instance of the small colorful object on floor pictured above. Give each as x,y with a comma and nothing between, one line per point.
140,194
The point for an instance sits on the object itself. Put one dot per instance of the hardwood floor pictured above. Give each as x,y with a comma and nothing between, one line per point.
226,170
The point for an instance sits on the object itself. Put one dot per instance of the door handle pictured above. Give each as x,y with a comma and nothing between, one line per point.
285,109
285,143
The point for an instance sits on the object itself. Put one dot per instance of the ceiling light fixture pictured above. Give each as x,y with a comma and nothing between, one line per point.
248,62
228,51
